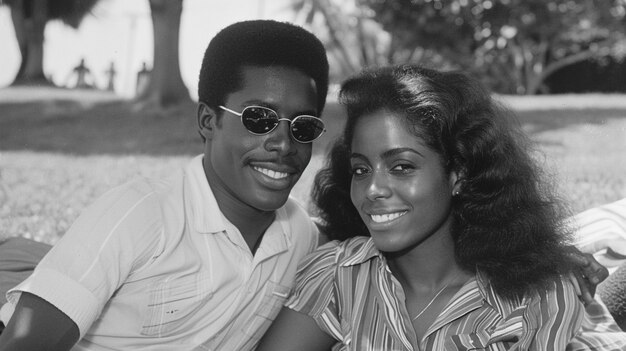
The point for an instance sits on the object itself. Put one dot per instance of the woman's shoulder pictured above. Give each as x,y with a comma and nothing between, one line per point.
558,298
548,318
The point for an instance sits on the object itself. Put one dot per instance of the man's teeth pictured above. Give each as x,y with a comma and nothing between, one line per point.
272,174
387,217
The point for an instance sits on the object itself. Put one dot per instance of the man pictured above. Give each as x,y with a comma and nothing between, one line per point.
204,260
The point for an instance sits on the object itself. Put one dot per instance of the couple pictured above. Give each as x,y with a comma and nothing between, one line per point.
465,246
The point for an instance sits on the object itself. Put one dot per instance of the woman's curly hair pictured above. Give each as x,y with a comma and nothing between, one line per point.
506,221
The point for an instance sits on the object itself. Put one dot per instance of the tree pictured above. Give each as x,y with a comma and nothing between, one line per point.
517,43
351,37
354,36
29,20
165,86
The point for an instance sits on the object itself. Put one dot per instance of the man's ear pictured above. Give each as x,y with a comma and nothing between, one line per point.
206,121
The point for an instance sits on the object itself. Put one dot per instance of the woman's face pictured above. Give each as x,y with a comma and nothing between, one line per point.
399,185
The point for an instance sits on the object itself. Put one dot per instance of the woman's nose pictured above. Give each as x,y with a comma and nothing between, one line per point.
378,187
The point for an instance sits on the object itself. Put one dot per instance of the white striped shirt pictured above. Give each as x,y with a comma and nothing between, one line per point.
601,231
350,292
155,265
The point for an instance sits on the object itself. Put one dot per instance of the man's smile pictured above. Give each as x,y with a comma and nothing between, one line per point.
271,173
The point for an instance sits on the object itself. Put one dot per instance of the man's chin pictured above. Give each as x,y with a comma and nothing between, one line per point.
272,201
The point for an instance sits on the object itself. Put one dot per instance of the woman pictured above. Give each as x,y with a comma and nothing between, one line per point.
451,239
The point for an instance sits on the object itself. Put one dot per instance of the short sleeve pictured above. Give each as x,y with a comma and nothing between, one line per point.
112,238
314,293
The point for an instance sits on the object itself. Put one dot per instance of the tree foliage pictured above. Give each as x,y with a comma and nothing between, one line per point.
352,38
517,43
514,44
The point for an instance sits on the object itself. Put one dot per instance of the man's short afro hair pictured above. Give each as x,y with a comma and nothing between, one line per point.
260,43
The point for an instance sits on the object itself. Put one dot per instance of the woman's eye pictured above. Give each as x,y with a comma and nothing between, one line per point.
402,168
358,171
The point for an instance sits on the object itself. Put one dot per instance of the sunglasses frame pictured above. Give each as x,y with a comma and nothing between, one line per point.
290,121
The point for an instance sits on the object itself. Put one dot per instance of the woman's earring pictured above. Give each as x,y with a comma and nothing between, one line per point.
456,193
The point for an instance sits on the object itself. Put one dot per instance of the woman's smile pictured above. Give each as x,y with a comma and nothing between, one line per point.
387,217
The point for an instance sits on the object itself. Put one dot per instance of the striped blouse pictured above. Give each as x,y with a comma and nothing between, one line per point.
349,290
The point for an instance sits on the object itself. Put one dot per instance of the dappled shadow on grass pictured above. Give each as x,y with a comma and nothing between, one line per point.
115,127
112,127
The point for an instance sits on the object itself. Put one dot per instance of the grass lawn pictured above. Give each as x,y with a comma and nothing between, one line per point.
60,149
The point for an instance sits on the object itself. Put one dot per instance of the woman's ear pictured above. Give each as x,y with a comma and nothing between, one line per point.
206,121
456,180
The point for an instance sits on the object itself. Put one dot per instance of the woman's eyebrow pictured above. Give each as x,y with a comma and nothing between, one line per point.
357,155
394,152
388,153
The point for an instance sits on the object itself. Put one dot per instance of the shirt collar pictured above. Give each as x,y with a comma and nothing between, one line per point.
277,237
474,293
207,218
205,214
361,250
481,290
502,305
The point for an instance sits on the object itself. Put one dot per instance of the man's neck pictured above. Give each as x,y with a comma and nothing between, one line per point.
251,222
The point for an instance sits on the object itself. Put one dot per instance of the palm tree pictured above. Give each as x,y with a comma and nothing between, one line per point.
29,20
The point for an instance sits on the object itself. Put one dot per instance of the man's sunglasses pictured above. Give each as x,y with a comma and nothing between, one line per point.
261,120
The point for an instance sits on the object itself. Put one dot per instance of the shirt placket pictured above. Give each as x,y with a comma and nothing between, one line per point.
394,308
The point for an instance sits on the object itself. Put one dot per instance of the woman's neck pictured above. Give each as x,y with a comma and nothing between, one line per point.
428,265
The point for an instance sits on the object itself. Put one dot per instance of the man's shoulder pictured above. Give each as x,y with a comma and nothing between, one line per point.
141,200
300,223
136,189
295,210
143,187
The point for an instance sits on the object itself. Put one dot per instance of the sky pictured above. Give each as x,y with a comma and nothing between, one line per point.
120,31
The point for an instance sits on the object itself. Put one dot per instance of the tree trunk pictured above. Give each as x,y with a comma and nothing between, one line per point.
29,22
165,86
533,82
554,66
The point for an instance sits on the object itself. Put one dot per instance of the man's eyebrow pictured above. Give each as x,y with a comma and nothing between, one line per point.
255,102
274,107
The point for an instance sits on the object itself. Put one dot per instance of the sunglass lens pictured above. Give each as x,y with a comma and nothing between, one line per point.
259,120
306,129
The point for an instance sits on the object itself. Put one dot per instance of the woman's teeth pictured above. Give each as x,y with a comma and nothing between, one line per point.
387,217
